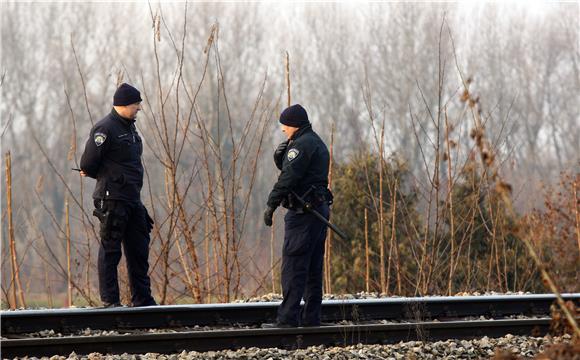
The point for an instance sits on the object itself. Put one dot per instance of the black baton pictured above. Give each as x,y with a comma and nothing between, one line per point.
308,207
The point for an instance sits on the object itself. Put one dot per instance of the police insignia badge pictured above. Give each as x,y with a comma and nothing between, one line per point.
100,138
292,154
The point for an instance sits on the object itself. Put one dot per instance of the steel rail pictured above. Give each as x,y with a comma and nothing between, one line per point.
264,338
68,321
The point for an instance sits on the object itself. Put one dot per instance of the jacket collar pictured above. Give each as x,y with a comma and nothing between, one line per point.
124,121
303,130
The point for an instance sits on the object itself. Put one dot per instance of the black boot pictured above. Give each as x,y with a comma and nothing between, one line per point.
277,325
108,305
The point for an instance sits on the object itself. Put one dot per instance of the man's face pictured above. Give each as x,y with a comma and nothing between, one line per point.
132,110
288,130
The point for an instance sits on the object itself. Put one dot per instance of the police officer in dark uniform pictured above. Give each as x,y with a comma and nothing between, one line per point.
304,161
113,156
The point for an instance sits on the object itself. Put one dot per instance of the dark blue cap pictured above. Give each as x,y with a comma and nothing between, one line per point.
294,116
126,95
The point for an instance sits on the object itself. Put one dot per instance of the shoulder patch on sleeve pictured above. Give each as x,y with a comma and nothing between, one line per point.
99,138
292,154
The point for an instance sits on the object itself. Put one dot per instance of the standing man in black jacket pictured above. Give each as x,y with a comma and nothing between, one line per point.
304,161
113,156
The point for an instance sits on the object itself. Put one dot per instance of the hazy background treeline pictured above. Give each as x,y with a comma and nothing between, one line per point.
212,76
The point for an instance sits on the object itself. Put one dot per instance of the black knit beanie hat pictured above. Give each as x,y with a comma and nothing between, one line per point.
126,95
294,116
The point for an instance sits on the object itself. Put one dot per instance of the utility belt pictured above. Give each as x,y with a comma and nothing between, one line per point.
110,211
315,197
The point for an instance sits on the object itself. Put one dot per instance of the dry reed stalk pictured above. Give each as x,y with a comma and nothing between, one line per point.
390,256
367,262
216,263
13,303
394,239
272,239
436,180
433,258
235,244
475,206
15,275
68,271
226,258
156,34
188,237
48,287
289,102
187,230
264,117
327,277
186,269
211,207
450,201
230,258
165,243
85,226
288,77
378,208
208,145
421,283
384,280
496,229
82,80
168,160
505,256
576,212
329,237
493,251
207,258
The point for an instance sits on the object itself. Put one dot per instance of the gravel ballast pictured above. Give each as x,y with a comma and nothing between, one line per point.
482,348
272,297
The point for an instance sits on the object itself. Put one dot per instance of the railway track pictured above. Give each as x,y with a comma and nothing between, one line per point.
431,318
280,338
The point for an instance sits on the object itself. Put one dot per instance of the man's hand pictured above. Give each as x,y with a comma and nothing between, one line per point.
279,154
268,216
82,173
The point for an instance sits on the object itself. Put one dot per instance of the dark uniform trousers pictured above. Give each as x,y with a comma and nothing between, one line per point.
302,266
124,223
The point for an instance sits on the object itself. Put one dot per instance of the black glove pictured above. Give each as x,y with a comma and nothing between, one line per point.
150,223
149,220
268,216
279,154
100,211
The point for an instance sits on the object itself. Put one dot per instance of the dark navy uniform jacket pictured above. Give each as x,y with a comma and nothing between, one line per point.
305,164
113,156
